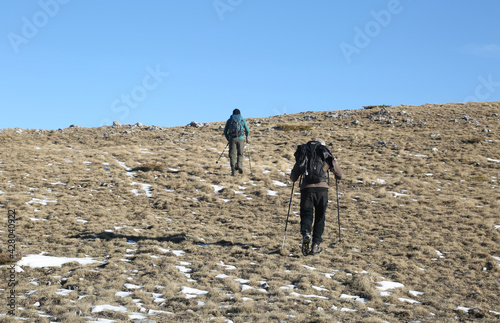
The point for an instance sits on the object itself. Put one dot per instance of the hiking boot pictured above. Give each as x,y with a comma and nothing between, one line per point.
240,170
316,249
306,241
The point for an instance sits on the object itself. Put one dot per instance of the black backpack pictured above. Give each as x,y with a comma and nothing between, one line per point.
311,158
235,128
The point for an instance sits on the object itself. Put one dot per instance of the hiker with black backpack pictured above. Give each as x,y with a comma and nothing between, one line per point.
313,160
236,131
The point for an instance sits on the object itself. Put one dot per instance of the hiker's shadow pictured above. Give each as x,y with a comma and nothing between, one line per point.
175,238
225,243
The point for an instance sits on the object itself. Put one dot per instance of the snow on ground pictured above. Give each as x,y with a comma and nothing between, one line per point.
40,201
39,261
272,193
217,188
398,194
278,183
386,285
145,187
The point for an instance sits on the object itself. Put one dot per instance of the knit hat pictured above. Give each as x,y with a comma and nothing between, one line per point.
236,111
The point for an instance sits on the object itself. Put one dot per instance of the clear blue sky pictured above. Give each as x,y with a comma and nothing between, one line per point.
167,63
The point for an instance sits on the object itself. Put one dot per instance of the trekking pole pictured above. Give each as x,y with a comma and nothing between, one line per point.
222,153
286,223
338,207
249,160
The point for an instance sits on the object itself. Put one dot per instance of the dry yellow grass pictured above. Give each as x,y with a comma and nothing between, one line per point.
419,206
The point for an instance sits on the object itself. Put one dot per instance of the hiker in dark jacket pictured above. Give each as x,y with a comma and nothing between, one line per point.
236,141
313,202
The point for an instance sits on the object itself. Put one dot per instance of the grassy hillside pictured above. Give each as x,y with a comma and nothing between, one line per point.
175,238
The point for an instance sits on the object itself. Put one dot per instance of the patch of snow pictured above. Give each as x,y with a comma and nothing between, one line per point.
39,261
222,276
183,269
278,183
145,187
288,287
100,308
64,292
241,280
319,288
39,201
386,285
217,188
356,298
493,160
228,267
271,193
308,296
411,301
415,293
398,194
192,292
132,286
123,294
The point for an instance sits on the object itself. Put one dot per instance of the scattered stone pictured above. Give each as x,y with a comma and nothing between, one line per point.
155,128
486,130
477,312
117,124
138,124
383,112
196,124
355,122
19,131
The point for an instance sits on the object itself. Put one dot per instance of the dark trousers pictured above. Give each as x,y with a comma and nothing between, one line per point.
236,148
313,202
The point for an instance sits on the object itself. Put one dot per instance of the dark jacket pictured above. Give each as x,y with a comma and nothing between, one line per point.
335,168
